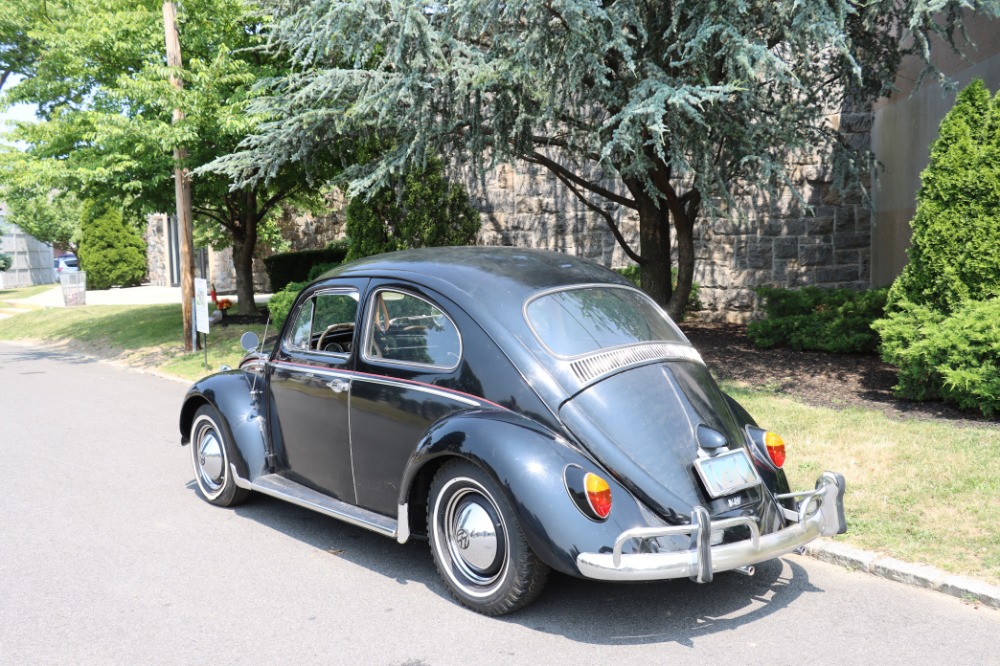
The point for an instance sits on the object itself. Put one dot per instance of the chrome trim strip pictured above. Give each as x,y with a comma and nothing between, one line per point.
352,376
817,516
597,365
289,491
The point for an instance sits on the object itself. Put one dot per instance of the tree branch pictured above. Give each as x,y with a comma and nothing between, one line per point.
632,254
560,170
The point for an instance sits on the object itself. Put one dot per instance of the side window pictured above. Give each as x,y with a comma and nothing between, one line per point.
403,328
301,331
326,323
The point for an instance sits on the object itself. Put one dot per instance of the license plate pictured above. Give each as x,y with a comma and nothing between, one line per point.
727,474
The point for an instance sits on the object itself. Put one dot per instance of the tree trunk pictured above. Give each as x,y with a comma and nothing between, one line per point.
684,218
244,244
654,243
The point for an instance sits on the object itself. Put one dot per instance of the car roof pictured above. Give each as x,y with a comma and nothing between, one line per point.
498,277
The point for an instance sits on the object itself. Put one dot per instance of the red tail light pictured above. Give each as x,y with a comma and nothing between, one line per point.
598,494
775,448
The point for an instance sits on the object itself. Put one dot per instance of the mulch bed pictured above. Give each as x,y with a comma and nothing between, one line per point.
816,378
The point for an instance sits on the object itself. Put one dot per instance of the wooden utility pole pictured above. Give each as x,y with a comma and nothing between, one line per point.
182,181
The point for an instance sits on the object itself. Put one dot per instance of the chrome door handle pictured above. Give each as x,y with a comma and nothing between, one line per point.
339,385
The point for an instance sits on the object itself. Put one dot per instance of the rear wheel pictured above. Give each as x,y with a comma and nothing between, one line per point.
210,448
477,545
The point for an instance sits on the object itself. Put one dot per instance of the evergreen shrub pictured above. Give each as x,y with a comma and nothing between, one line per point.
287,267
111,250
421,209
5,262
943,314
832,320
953,357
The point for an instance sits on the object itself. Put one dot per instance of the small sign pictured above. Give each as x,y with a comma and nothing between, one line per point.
201,305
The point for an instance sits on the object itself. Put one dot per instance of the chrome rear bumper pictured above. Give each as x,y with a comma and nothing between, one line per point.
820,513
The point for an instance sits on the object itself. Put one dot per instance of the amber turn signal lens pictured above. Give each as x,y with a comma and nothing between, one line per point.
775,448
598,494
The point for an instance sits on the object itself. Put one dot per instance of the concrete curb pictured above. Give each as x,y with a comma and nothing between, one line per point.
917,575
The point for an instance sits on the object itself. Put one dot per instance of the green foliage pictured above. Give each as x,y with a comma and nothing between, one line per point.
680,101
281,303
953,357
634,275
955,248
941,328
420,210
52,218
319,269
297,266
5,261
831,320
106,104
111,252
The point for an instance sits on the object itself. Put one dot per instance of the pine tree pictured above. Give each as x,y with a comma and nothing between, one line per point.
955,248
111,251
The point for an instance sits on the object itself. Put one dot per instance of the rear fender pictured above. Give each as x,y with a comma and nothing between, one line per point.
527,462
229,392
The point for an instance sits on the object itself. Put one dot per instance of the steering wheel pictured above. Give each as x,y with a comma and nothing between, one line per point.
331,329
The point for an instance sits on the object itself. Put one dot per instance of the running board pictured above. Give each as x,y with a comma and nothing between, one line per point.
295,493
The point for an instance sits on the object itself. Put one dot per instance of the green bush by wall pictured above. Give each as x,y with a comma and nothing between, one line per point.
288,267
943,313
281,303
423,209
111,250
831,320
953,357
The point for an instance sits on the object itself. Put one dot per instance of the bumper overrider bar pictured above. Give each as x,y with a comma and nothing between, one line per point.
820,513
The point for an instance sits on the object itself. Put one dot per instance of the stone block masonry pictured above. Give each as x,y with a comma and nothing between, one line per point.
782,241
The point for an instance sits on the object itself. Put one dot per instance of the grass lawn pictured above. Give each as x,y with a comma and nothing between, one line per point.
147,336
921,491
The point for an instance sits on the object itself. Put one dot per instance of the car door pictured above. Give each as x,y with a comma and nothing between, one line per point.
410,347
309,390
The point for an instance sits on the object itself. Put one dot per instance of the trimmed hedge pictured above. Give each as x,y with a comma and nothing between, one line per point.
288,267
831,320
281,303
953,357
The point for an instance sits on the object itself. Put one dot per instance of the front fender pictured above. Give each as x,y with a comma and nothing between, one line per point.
527,462
230,393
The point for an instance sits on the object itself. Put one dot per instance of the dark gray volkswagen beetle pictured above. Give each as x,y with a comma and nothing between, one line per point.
522,410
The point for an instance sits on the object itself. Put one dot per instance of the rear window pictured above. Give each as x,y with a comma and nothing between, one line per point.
575,322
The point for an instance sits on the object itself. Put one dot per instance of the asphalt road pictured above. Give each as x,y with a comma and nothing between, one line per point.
109,556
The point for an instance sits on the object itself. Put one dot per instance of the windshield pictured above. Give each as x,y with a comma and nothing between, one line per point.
575,322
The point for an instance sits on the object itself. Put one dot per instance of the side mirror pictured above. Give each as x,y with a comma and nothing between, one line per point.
249,341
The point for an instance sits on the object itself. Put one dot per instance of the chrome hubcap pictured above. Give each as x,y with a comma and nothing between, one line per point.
475,537
471,527
210,459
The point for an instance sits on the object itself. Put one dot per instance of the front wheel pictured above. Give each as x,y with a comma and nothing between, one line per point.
210,449
477,545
